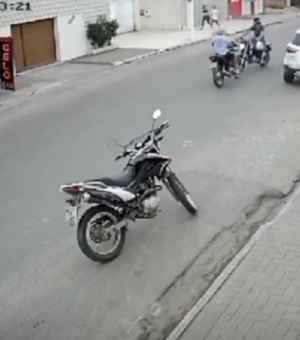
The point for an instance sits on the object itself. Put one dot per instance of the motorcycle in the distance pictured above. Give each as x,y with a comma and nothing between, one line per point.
255,53
118,200
219,67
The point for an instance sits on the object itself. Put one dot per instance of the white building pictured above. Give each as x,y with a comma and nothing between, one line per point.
153,13
55,30
176,14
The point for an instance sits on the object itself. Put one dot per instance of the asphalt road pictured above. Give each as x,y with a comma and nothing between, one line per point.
242,140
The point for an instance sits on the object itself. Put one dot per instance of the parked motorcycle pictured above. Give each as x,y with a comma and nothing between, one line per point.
219,66
130,196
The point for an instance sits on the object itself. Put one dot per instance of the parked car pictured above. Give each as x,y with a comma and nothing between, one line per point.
291,62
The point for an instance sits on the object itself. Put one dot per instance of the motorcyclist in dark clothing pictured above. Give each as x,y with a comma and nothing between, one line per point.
258,34
257,28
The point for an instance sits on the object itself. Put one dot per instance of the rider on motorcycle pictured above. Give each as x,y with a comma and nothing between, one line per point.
222,46
257,28
258,32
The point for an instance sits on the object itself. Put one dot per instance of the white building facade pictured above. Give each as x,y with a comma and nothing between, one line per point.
176,14
55,30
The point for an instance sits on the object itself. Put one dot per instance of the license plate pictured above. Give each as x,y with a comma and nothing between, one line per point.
71,215
213,65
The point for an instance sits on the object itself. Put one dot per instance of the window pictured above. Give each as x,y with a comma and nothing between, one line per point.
296,39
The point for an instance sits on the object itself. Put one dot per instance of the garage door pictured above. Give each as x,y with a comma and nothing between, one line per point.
34,44
122,11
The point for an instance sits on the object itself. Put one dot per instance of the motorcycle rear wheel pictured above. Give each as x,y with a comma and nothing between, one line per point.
82,228
218,77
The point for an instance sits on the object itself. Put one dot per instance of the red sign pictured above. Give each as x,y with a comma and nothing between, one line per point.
7,76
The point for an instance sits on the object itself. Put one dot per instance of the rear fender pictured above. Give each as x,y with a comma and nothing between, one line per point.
75,190
217,59
93,196
114,195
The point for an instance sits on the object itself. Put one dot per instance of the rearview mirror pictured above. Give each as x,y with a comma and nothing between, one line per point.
156,114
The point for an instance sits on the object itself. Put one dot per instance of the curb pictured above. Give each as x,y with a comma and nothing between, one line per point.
175,47
160,51
153,53
177,333
103,50
57,63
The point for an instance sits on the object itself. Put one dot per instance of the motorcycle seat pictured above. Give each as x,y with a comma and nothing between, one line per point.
121,180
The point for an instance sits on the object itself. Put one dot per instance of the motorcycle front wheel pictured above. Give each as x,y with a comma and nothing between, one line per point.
182,194
266,59
241,63
94,224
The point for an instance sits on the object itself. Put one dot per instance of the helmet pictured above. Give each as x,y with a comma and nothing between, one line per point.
220,31
256,20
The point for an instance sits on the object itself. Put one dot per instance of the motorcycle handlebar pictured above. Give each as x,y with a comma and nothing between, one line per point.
156,133
120,156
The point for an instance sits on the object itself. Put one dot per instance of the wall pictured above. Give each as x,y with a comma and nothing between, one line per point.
164,15
123,12
221,4
5,31
70,37
172,14
43,9
183,21
258,7
223,8
282,3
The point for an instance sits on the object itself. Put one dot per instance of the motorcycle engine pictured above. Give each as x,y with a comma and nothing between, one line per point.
151,205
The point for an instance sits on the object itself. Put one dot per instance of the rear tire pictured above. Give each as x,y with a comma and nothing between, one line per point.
288,77
82,229
218,77
182,194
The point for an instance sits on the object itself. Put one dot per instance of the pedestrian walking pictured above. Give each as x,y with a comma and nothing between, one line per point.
205,16
215,16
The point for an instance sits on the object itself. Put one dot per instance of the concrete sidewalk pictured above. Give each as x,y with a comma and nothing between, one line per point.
167,40
261,299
